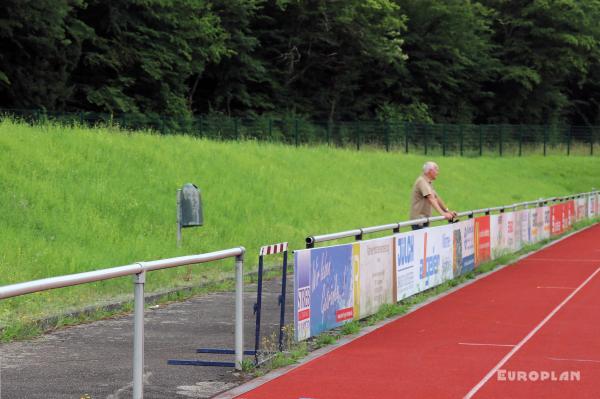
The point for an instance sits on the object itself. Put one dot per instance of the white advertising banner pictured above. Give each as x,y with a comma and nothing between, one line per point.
463,247
508,231
435,261
373,275
581,205
547,230
497,235
536,224
406,262
592,201
522,233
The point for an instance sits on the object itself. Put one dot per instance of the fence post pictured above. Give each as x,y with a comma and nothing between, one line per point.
462,139
500,139
270,129
138,335
520,139
569,141
357,127
296,131
425,138
235,128
239,311
592,140
480,140
444,140
405,124
545,138
387,136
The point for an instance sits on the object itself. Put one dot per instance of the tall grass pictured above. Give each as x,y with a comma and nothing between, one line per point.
77,199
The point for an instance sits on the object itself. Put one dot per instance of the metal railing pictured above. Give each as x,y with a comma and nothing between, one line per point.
395,227
138,271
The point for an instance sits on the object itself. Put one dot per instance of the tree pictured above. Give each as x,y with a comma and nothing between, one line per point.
449,58
327,58
40,46
145,54
239,83
541,44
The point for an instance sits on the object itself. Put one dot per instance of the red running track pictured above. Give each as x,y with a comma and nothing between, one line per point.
495,338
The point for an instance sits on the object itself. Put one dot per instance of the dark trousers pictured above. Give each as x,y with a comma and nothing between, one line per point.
419,226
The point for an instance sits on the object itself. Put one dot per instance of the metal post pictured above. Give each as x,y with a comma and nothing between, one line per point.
357,126
461,132
387,136
443,140
480,140
545,138
239,311
257,307
282,300
406,137
592,141
500,140
179,218
270,129
520,140
296,131
138,336
569,141
425,138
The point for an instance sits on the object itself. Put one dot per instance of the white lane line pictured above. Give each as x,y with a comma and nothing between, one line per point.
574,360
559,288
514,350
477,344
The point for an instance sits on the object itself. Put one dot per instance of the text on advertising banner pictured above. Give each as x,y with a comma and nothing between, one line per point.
581,211
406,262
327,301
463,247
435,261
373,275
556,213
302,294
547,223
482,240
536,224
497,235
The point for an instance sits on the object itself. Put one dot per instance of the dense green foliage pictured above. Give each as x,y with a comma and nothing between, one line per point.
78,199
452,61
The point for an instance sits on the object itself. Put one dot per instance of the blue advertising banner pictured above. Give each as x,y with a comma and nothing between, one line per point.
324,289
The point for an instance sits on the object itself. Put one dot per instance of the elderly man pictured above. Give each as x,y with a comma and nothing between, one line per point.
424,197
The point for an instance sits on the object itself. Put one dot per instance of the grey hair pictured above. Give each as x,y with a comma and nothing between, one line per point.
429,165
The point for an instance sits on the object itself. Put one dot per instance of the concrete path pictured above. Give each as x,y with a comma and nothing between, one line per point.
95,360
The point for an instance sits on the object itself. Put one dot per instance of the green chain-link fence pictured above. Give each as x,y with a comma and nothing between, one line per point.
407,137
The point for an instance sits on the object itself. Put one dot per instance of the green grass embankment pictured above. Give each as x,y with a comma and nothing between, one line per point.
78,199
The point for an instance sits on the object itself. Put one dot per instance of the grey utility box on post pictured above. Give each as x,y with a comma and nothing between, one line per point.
189,208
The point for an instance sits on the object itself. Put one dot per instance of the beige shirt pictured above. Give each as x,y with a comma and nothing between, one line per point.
420,206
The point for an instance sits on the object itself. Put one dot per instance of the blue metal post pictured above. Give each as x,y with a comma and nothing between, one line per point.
282,300
257,307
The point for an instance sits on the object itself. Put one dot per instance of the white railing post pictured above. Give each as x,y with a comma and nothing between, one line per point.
138,335
239,311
